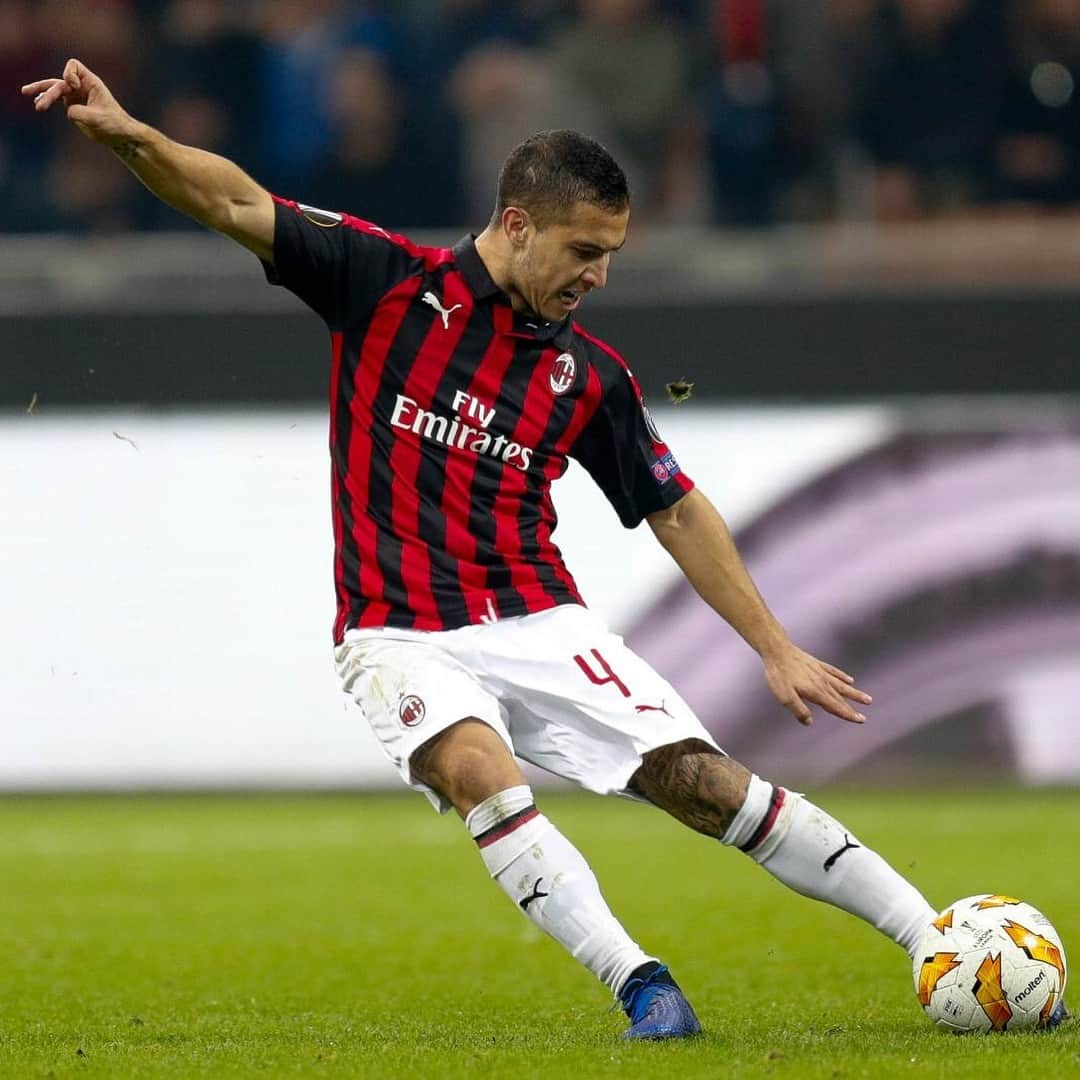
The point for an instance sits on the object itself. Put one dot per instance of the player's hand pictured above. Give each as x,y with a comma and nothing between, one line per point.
795,678
89,102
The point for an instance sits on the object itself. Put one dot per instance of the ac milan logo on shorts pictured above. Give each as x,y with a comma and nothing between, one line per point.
563,370
411,710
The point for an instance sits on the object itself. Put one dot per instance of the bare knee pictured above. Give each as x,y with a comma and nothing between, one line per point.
467,763
695,783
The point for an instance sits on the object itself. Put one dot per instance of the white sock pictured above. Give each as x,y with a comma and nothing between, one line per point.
546,876
812,853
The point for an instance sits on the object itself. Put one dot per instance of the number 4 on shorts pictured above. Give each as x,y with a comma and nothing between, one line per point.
595,678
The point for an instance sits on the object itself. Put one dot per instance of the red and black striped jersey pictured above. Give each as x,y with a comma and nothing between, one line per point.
450,416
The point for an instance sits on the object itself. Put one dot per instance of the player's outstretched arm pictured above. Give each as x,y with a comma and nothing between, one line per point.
698,539
209,188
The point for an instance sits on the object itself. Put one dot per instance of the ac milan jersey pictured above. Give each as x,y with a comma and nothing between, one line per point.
450,416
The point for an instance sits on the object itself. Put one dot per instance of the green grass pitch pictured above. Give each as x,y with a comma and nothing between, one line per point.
355,936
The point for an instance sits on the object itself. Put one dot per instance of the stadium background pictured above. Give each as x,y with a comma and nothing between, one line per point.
855,232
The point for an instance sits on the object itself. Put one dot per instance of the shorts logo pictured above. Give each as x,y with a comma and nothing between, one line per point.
325,219
660,472
411,710
563,371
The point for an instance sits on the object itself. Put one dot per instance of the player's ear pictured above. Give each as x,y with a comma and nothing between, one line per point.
518,225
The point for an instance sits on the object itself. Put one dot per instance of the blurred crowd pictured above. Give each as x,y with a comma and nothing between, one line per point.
730,112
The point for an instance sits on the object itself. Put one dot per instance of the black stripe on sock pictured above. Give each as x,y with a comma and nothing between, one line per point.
506,826
767,821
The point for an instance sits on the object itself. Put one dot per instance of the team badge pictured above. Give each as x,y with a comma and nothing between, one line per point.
411,710
325,219
659,470
563,371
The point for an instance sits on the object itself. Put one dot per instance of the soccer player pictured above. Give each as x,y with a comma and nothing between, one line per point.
461,385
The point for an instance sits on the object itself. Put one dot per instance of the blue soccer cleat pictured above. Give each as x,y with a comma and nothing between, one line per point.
1059,1014
657,1008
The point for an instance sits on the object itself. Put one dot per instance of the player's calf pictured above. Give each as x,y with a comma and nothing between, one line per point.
796,841
812,853
549,880
695,783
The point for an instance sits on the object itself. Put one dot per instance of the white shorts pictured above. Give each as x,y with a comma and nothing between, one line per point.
561,690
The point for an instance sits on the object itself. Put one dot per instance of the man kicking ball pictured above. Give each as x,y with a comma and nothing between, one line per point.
461,386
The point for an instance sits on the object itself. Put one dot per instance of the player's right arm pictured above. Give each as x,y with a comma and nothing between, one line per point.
206,187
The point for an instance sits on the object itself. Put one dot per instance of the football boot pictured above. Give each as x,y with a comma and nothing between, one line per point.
657,1008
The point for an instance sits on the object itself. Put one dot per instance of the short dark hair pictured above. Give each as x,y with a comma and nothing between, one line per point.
552,171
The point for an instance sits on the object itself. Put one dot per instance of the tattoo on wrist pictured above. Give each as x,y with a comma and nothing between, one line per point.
127,150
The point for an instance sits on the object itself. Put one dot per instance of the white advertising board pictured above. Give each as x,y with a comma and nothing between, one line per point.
166,585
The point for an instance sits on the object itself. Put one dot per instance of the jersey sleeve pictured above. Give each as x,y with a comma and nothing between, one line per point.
337,264
624,453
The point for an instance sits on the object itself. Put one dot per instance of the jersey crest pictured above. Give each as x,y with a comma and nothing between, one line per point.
563,373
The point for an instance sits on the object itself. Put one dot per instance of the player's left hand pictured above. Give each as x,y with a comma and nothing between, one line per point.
795,678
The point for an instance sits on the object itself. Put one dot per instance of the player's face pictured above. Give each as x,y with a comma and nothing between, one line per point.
557,265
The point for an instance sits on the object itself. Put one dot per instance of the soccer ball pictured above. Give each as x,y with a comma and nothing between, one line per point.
990,963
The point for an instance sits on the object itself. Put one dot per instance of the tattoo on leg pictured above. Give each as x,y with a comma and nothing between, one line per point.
694,783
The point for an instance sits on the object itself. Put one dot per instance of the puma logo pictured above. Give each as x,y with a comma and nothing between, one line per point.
848,845
662,707
433,300
536,894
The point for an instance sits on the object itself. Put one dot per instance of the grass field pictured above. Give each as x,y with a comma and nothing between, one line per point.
359,936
